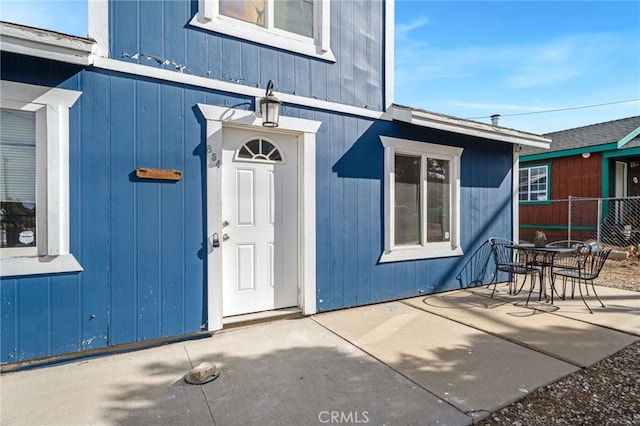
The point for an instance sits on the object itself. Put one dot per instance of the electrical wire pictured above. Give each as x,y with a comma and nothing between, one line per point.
559,109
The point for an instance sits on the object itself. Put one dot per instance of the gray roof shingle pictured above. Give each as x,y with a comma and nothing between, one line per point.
592,135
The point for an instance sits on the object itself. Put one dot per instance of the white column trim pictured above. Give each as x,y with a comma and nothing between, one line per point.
389,52
307,221
99,26
214,223
514,193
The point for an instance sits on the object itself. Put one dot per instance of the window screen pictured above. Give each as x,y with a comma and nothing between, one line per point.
17,178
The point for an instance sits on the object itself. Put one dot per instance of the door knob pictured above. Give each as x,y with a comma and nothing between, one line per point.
225,237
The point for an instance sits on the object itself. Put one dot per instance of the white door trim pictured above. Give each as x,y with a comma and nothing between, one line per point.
306,130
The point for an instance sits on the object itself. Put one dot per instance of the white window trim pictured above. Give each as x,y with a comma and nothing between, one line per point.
51,106
427,250
208,18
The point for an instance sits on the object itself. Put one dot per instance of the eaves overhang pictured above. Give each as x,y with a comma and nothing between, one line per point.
592,149
46,44
467,127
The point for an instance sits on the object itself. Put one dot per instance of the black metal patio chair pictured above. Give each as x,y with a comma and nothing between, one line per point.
563,260
583,266
479,269
513,262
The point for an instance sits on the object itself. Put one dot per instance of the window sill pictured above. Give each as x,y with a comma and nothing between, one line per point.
262,36
39,265
399,255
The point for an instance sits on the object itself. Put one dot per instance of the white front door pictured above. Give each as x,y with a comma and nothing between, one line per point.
259,238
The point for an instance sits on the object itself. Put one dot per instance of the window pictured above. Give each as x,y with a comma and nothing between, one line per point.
300,26
421,200
261,151
534,184
18,176
34,179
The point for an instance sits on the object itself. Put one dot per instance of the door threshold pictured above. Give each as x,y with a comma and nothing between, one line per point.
260,317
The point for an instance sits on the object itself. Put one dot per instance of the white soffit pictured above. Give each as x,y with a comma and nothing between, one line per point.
467,127
46,44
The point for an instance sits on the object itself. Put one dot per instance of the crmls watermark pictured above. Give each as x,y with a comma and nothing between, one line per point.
343,417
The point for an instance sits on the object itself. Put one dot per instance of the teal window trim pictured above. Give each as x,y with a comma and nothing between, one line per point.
534,203
558,227
540,202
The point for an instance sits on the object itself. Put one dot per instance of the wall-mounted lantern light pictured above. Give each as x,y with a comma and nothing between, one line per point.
270,107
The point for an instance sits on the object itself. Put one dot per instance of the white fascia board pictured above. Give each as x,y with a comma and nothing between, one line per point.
46,44
224,86
465,127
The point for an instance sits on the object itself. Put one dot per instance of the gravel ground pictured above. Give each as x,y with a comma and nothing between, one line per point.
606,393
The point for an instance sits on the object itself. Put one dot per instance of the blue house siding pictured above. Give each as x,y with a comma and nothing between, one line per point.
141,243
160,29
350,221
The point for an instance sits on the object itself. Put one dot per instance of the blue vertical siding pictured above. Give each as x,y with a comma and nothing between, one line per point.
33,318
147,215
141,243
123,206
193,204
172,221
161,30
348,49
350,220
151,36
9,333
65,315
124,37
93,175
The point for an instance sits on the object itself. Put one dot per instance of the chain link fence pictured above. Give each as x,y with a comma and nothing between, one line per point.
607,221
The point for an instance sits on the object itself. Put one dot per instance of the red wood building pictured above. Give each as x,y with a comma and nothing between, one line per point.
597,161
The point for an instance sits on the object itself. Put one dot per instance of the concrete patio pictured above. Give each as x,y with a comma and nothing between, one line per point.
447,359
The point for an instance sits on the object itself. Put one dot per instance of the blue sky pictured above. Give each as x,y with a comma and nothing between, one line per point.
474,59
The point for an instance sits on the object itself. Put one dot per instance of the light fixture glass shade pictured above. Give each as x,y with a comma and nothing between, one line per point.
270,107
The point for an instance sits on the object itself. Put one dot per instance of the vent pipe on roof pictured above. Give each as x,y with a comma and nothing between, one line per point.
494,119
